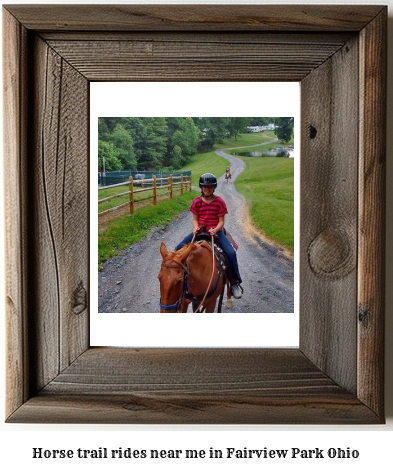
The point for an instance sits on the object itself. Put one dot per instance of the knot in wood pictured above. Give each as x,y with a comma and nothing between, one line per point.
313,132
331,254
80,299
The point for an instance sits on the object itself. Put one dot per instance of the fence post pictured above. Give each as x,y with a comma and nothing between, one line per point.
170,181
181,184
154,190
131,194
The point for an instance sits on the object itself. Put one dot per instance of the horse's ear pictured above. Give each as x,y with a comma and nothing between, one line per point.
163,250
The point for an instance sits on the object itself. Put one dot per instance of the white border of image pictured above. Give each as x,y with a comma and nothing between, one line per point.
184,99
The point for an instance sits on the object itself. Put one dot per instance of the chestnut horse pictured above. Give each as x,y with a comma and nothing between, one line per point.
193,274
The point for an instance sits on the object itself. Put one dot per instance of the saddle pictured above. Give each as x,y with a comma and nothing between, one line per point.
204,238
203,234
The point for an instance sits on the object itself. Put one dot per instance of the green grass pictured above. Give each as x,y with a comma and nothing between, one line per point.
125,231
117,201
211,163
268,186
103,193
247,139
205,163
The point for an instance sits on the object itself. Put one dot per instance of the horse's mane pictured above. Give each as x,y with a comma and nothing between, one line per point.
176,255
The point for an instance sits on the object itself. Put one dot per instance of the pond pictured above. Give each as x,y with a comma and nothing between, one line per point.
281,153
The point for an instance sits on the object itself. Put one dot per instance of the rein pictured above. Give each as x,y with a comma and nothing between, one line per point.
211,278
175,306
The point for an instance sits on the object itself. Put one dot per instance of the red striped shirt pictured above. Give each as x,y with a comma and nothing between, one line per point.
208,213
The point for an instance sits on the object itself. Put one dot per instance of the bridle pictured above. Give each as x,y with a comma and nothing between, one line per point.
184,294
177,303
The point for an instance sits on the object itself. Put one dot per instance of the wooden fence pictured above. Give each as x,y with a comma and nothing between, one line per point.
142,190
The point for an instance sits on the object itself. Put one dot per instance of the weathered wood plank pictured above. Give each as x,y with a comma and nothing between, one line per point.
209,371
238,409
152,60
329,216
371,261
59,181
195,17
16,210
193,386
201,37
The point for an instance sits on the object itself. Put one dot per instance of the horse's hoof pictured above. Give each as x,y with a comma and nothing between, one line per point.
229,304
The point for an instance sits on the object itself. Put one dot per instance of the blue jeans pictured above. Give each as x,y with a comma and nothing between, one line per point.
227,248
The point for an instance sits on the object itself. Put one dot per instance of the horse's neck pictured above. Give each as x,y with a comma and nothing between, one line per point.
200,264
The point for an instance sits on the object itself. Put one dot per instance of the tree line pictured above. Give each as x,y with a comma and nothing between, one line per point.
153,143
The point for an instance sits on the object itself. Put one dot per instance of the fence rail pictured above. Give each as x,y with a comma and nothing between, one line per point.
117,177
147,190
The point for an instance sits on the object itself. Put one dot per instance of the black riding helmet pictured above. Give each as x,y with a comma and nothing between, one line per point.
208,179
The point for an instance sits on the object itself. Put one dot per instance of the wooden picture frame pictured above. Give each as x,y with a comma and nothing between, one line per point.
338,54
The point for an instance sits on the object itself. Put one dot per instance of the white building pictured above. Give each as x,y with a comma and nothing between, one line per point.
260,128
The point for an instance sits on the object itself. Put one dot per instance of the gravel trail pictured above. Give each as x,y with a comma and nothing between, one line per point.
128,282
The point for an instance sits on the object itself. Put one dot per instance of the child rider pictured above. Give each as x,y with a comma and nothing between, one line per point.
209,210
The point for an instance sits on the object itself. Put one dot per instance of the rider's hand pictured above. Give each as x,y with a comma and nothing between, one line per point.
212,231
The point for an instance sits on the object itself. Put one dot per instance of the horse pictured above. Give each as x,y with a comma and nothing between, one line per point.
194,274
228,175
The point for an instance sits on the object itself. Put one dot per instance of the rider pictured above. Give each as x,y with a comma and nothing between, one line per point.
209,210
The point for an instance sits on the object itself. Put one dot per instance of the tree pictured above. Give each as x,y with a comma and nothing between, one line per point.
186,138
255,121
213,129
124,144
237,125
155,145
103,131
177,159
137,129
107,157
284,128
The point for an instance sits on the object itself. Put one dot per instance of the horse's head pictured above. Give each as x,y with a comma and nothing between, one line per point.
171,277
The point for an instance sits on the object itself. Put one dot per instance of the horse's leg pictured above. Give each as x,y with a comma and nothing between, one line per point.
229,304
195,306
184,306
210,306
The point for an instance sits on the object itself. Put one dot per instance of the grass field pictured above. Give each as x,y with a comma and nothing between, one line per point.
268,186
266,183
212,163
206,163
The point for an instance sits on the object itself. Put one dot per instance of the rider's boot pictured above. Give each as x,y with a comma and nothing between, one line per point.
236,290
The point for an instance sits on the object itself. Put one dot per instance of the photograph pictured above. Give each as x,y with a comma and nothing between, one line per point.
205,203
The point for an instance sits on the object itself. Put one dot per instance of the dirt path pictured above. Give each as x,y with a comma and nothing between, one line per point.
128,283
